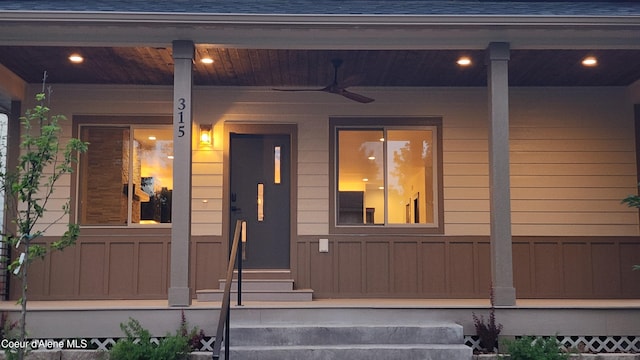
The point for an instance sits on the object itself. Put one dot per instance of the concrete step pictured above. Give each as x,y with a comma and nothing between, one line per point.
256,295
268,274
431,341
295,335
260,284
352,352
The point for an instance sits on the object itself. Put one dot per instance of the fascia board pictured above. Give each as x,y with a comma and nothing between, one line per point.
317,31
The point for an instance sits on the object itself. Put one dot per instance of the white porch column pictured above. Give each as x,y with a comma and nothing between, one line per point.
179,293
499,184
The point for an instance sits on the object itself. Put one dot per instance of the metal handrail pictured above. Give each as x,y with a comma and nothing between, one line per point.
226,298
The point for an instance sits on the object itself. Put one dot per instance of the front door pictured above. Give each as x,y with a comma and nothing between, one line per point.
260,195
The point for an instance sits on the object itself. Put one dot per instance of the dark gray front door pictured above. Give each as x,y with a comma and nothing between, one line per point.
260,194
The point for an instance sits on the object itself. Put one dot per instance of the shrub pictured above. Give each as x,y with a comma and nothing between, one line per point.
138,345
531,348
193,336
488,332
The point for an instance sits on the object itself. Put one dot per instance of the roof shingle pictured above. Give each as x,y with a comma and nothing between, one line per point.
336,7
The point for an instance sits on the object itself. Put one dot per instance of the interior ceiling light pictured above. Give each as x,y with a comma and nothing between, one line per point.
206,60
76,58
590,61
152,138
464,61
371,158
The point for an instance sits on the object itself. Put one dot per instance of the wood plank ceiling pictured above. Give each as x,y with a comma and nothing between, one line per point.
312,68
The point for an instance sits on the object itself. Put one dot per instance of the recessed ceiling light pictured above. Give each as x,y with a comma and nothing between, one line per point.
590,61
371,158
152,138
464,61
76,58
365,179
206,60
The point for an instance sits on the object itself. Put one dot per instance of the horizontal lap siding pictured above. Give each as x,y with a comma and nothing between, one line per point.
572,162
572,151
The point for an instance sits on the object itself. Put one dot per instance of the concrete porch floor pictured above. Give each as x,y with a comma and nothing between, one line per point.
101,318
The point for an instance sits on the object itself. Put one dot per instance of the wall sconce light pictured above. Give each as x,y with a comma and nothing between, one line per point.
206,134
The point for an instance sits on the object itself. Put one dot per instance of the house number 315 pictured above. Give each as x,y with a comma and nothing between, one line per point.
181,107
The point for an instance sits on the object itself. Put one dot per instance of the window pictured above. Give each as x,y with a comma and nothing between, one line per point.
126,176
387,174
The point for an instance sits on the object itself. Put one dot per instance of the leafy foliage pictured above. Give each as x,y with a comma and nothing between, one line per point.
488,332
193,336
138,344
633,201
531,348
28,188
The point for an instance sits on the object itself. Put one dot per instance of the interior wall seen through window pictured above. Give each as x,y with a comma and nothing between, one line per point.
126,176
386,176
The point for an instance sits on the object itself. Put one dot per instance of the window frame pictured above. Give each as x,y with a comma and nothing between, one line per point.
130,122
385,123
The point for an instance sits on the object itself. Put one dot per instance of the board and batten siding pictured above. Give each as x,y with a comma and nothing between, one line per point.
572,161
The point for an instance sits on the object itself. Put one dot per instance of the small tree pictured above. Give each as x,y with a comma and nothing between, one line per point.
28,189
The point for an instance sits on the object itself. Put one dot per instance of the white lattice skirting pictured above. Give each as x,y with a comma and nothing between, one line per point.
206,344
586,344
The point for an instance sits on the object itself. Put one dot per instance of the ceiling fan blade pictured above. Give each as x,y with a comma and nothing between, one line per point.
352,80
334,88
321,89
355,97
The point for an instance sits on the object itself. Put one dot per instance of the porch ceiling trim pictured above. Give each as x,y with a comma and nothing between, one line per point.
320,31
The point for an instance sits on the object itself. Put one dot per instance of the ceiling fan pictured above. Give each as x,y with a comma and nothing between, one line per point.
335,88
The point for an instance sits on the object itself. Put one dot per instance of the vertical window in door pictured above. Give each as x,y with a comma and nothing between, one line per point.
276,165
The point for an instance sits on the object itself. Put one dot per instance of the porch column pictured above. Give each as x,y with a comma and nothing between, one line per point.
179,292
499,185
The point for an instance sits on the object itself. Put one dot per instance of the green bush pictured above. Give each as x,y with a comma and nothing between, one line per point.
138,345
531,348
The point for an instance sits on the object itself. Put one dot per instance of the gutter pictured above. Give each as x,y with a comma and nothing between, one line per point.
73,17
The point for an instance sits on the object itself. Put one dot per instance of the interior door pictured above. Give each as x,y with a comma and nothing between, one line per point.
260,195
